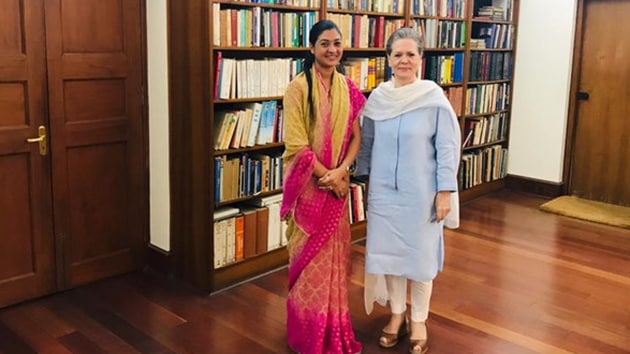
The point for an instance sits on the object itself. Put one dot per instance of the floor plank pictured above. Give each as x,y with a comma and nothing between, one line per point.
515,280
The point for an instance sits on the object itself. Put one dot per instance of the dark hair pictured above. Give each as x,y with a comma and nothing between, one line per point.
404,33
313,35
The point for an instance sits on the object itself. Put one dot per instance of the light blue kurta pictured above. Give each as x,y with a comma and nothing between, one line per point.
408,158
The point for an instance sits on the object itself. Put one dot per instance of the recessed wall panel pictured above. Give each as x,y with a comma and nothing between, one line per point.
12,104
93,100
16,234
92,26
11,27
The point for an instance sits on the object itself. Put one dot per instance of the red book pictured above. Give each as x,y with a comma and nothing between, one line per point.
239,233
380,32
275,43
217,74
234,27
356,31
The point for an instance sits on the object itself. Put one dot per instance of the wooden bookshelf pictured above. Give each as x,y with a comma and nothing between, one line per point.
194,108
504,29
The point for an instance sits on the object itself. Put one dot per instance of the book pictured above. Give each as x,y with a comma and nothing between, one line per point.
274,227
225,212
225,78
262,229
255,123
220,243
266,201
230,239
250,230
239,238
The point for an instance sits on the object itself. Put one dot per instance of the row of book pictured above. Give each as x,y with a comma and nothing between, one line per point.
486,66
482,166
362,31
255,124
481,99
247,78
485,130
248,230
367,73
494,36
441,8
441,34
295,3
496,10
388,6
499,10
254,227
258,27
246,175
232,80
491,13
443,69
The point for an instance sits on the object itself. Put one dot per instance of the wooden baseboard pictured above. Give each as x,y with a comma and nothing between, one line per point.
535,186
481,189
158,260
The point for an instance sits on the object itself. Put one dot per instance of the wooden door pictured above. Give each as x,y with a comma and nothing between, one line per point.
26,232
99,170
600,169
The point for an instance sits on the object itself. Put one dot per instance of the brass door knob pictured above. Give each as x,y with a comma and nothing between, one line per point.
41,139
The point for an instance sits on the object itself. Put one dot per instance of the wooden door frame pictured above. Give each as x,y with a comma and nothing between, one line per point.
146,143
569,141
145,222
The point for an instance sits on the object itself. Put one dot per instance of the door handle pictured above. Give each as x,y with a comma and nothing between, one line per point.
582,96
41,139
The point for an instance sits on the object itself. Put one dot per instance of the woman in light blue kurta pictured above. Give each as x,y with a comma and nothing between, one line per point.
410,150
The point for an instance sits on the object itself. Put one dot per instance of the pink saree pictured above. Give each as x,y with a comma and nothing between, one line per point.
318,318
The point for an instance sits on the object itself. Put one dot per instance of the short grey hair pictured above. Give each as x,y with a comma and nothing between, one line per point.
404,33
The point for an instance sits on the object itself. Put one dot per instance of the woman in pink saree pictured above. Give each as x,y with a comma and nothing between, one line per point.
322,139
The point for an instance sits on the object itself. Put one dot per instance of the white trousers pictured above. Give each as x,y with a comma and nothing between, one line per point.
420,296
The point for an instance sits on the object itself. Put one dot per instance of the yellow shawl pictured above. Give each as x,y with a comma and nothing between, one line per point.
298,130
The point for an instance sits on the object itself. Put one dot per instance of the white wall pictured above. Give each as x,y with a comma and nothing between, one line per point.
157,58
541,88
539,108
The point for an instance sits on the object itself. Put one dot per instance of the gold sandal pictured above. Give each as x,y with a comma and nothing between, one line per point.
418,346
389,340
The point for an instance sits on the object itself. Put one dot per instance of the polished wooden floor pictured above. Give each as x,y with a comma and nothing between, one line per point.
516,280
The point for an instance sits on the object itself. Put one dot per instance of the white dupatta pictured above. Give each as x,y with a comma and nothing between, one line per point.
387,101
